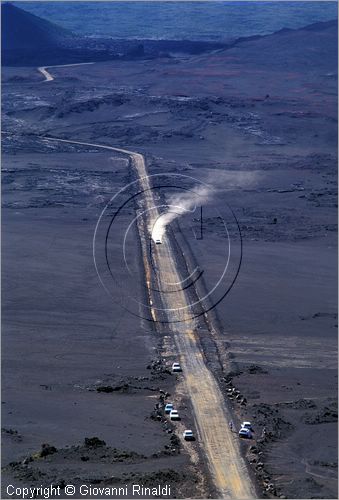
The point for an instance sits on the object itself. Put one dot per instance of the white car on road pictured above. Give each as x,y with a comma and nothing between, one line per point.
247,425
188,435
174,415
176,367
245,433
169,407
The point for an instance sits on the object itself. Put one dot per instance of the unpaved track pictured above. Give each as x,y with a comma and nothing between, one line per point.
221,446
47,74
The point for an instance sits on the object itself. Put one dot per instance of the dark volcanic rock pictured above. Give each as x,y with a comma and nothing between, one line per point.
326,415
256,369
105,388
47,449
94,442
110,388
301,404
12,433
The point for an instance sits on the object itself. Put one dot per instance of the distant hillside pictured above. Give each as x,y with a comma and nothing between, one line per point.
28,40
22,30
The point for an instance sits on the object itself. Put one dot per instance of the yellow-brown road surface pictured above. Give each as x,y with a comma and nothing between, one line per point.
220,445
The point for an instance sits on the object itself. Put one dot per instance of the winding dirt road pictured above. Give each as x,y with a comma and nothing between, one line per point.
211,415
47,74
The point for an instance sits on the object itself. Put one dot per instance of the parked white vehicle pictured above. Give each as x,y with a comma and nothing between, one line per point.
174,415
247,425
188,435
176,367
168,408
245,433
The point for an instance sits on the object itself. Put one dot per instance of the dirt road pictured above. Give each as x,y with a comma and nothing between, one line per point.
220,445
47,74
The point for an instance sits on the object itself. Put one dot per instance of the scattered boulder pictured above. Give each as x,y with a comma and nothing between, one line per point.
12,433
256,369
326,415
105,388
94,442
113,388
47,449
158,367
175,441
300,404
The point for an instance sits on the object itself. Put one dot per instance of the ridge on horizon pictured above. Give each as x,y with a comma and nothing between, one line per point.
28,39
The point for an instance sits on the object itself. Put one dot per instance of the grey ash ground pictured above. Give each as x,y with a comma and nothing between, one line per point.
260,118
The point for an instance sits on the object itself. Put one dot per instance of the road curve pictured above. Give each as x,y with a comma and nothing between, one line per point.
47,74
221,446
